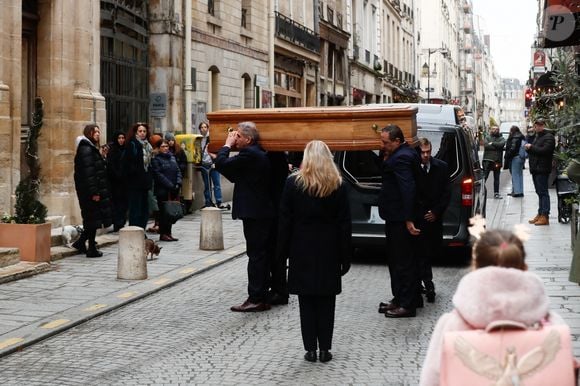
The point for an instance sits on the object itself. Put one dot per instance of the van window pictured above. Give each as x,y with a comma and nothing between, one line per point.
444,146
363,166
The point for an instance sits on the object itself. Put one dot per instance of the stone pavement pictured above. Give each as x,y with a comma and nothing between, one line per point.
76,289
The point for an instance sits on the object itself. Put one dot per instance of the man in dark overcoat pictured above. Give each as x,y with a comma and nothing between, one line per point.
396,207
433,195
541,153
249,170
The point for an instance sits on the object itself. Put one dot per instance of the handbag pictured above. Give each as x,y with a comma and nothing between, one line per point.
172,211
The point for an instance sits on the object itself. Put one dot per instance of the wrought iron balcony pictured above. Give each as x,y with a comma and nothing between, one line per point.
296,33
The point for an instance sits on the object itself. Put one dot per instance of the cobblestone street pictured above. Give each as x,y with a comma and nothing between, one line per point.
187,335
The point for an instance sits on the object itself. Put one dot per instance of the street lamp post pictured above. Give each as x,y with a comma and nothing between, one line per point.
430,51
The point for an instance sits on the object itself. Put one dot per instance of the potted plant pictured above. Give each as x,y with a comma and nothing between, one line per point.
27,229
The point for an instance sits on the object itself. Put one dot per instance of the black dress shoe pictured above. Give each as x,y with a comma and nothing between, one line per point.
430,295
276,299
325,356
94,253
518,195
310,356
166,238
248,306
401,312
384,307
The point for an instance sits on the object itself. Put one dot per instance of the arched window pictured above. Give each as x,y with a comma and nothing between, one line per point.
213,96
247,92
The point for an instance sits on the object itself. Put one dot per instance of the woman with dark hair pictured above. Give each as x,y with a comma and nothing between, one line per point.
92,188
514,160
117,181
138,174
167,178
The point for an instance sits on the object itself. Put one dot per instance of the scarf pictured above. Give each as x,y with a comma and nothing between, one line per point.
147,152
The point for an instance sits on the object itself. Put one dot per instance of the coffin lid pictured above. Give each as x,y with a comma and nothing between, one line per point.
340,127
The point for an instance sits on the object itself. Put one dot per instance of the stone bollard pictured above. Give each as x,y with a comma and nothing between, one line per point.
132,261
211,233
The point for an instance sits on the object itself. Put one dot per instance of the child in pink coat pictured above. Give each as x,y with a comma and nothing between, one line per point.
499,288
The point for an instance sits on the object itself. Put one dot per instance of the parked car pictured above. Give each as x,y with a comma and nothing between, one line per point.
451,143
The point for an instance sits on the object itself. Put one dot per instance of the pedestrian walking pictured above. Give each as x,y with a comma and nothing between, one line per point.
211,177
514,160
117,182
573,172
499,288
541,153
92,187
397,208
315,236
249,170
139,176
492,158
433,195
167,183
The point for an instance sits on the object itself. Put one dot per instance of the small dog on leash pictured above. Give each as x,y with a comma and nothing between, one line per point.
151,249
70,233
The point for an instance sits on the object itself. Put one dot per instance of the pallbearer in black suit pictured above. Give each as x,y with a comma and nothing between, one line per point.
396,207
249,170
314,233
433,193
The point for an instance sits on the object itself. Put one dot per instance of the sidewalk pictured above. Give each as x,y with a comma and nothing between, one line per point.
77,289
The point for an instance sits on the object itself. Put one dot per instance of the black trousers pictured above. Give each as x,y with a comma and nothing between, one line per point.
278,281
403,265
317,321
164,225
428,247
257,232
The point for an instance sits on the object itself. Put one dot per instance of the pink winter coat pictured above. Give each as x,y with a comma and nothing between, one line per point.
483,296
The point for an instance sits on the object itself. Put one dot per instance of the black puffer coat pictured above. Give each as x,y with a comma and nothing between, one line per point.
91,180
137,177
541,153
166,175
512,148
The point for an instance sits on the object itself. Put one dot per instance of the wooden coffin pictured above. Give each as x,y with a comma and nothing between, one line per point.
342,127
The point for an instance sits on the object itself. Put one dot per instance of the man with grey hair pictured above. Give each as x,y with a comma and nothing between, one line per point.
249,170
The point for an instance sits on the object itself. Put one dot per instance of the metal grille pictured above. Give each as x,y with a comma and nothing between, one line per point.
124,63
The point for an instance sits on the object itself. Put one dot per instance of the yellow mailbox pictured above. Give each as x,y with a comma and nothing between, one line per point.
191,144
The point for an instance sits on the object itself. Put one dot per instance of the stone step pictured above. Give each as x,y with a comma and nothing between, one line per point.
9,256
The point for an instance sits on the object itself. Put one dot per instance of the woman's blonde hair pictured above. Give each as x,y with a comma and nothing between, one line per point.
318,175
499,248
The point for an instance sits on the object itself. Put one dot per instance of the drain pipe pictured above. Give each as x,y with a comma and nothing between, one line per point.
188,89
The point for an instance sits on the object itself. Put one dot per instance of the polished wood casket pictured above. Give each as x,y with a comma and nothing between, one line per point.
341,127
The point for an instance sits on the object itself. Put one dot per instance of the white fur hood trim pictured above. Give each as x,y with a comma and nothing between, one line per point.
494,293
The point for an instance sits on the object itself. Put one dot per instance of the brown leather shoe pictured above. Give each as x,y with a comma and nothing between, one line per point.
247,306
166,238
533,220
401,312
543,220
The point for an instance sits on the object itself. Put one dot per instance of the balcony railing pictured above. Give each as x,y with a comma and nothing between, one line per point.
296,33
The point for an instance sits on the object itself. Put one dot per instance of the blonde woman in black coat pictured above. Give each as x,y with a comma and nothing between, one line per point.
315,235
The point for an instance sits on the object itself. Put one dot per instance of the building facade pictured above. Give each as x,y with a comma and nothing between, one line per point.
116,62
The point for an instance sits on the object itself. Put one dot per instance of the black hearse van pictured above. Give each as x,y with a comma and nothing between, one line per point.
451,143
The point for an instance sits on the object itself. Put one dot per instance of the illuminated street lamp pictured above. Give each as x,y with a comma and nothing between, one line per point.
444,52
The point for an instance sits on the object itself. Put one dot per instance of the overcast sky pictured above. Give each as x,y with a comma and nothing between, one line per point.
512,26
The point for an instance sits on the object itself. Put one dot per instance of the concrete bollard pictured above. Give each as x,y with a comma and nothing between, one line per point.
132,261
211,233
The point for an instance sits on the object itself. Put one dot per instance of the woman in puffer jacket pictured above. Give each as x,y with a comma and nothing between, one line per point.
499,288
92,186
167,177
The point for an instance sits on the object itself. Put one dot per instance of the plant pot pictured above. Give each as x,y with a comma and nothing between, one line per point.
32,240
